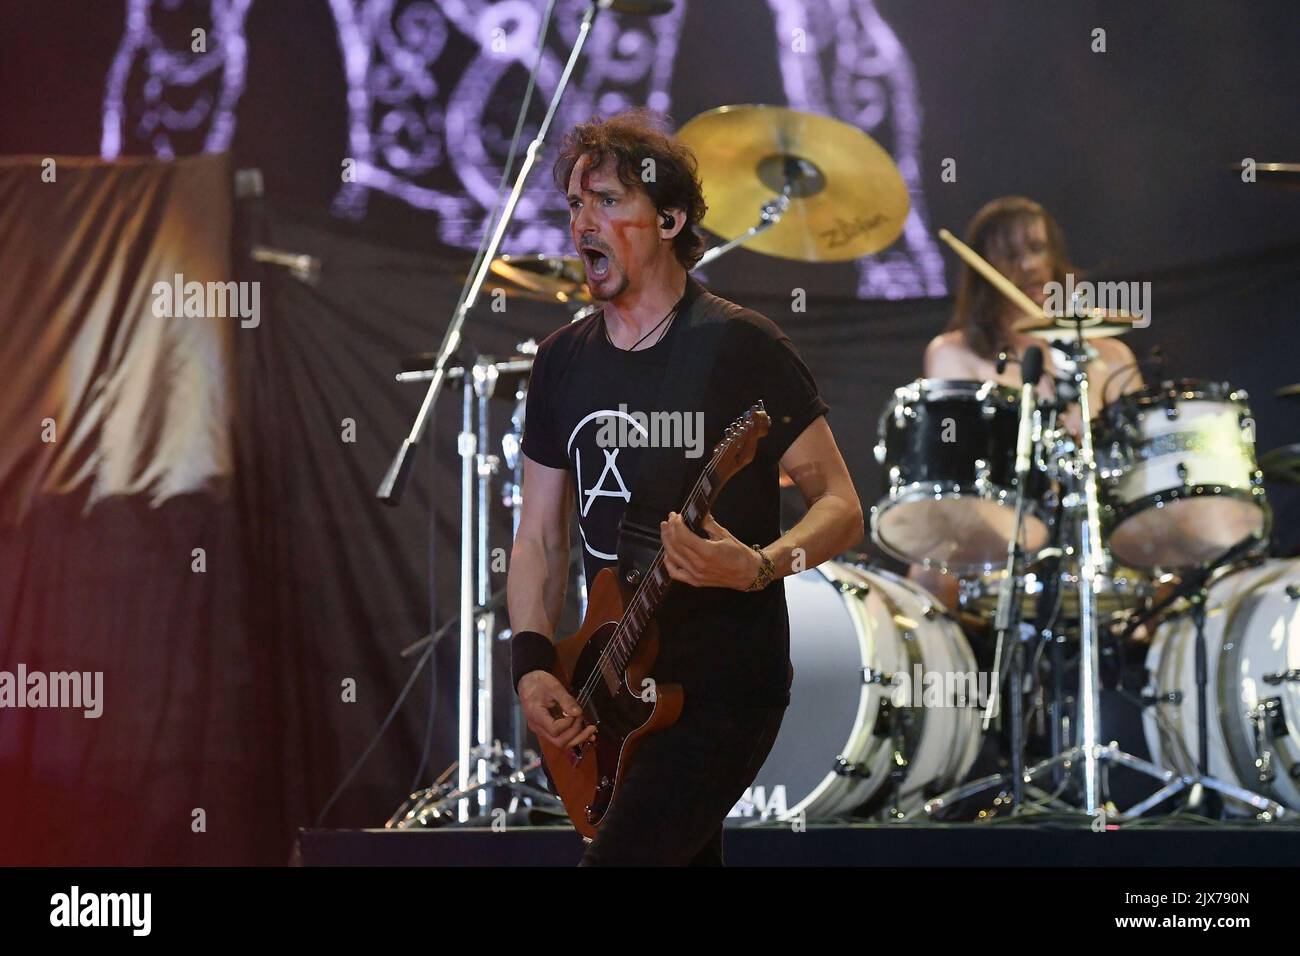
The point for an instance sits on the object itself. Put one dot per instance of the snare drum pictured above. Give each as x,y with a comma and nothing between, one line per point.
1178,474
1121,590
877,663
949,449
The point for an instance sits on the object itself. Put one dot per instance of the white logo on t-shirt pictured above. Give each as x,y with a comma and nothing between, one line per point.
587,495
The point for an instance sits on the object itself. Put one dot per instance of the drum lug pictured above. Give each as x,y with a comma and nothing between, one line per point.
857,589
1293,675
988,411
1174,697
1182,472
982,472
842,768
1268,723
895,479
872,676
879,451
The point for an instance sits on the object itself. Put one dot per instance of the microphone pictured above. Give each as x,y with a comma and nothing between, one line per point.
1031,367
651,8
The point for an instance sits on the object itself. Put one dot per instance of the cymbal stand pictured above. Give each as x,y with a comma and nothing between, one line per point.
1088,754
769,213
481,765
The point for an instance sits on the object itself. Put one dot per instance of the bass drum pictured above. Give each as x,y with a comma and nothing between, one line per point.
1252,642
864,643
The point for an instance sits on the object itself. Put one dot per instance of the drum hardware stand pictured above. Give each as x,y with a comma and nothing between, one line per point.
1093,563
1088,753
481,765
1007,625
439,803
769,215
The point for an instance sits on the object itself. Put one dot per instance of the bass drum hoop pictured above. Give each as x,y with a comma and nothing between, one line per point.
837,794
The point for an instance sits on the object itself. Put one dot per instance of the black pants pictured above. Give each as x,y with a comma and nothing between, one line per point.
681,785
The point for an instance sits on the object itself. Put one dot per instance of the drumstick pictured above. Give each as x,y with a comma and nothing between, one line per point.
998,280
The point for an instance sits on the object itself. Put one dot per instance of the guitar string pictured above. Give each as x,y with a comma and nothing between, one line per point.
607,651
589,686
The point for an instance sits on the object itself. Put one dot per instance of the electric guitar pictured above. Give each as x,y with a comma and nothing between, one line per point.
606,665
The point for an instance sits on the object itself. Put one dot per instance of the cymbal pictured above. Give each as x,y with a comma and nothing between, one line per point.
1288,391
1281,465
1097,324
847,198
1286,175
542,278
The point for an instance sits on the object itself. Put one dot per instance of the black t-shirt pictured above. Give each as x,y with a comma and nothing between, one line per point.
720,644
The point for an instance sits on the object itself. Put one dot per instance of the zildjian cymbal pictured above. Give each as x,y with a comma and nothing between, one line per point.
542,278
847,198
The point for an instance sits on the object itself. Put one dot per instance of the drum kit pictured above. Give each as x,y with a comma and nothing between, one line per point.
1152,520
1148,528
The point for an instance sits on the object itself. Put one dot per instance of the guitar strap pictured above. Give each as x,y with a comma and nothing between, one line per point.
664,475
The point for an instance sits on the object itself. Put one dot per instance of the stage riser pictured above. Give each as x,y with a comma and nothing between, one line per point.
890,846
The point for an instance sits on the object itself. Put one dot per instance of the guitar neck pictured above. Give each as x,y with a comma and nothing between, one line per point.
733,452
654,585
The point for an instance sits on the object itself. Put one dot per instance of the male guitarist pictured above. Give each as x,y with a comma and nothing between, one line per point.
634,200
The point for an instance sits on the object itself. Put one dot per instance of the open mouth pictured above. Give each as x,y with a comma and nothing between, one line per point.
597,263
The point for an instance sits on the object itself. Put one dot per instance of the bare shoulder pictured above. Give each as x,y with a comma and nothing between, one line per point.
1122,374
948,356
1114,352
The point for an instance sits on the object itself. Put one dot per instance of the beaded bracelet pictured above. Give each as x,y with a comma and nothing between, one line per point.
766,571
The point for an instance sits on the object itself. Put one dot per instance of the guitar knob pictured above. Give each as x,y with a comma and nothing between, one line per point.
632,576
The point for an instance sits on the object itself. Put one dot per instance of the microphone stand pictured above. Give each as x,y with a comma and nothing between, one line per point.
474,629
1007,618
390,489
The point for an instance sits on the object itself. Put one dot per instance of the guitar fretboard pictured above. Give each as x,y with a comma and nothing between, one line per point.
653,588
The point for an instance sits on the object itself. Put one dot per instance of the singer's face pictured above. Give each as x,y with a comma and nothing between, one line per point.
615,228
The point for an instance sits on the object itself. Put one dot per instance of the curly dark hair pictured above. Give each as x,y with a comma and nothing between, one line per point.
632,137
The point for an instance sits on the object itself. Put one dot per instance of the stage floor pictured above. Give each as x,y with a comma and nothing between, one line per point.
1182,843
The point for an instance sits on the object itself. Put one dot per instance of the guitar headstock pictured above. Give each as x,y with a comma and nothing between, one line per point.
740,442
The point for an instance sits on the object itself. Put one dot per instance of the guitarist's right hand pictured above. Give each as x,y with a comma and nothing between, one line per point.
551,712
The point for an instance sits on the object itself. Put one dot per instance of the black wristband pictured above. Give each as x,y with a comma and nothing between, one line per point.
529,651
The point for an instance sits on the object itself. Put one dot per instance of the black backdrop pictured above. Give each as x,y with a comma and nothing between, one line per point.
1129,150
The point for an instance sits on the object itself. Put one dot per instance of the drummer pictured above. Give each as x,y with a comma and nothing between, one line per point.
1023,242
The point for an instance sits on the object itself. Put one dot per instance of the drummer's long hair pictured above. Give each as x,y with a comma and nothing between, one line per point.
632,137
996,230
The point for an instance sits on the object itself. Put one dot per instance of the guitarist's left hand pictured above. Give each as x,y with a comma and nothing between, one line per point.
721,561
